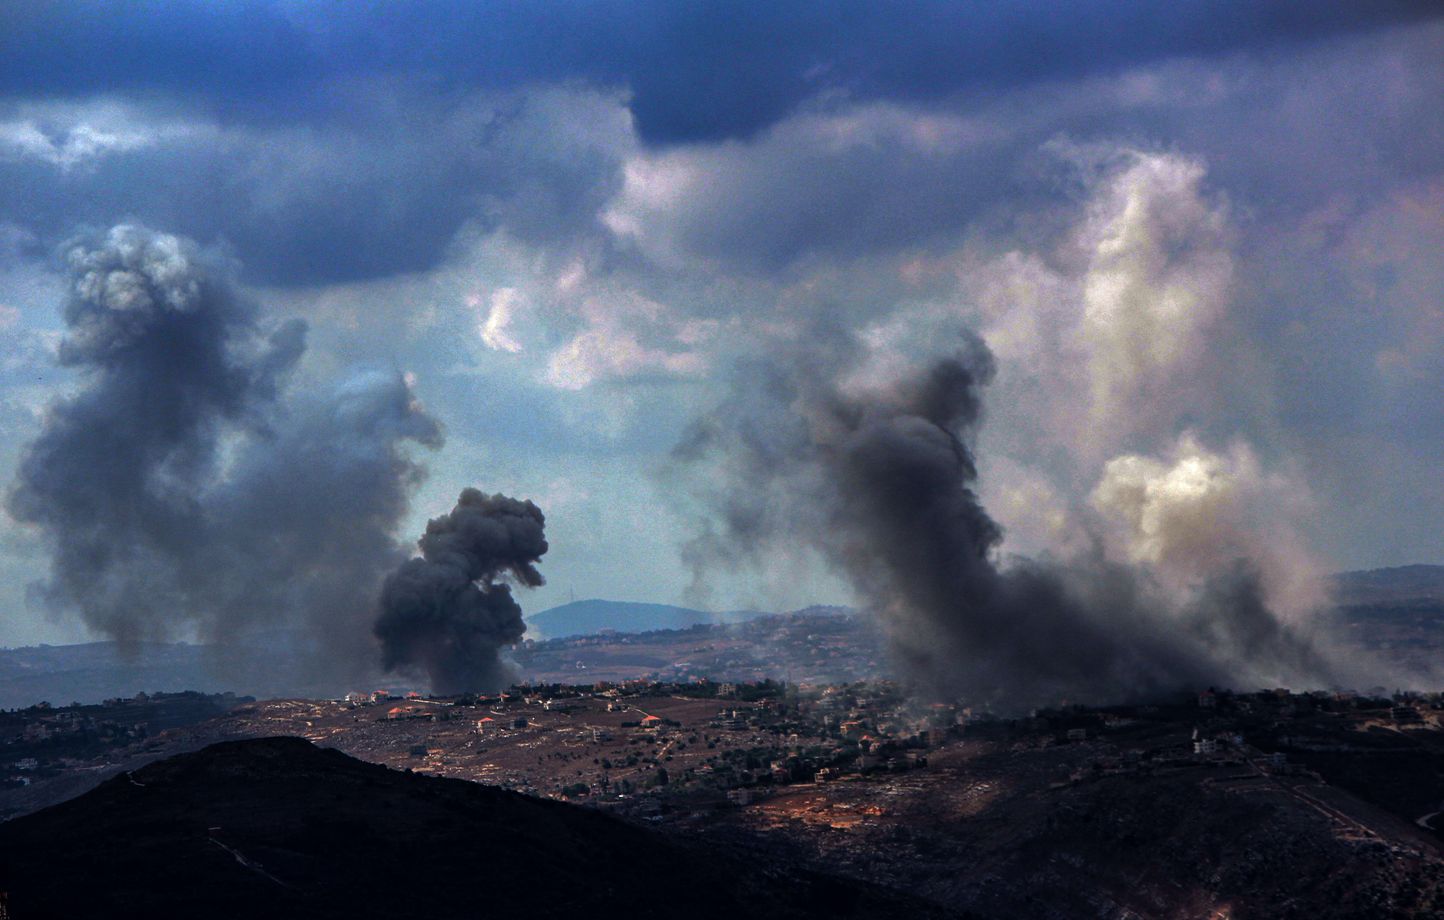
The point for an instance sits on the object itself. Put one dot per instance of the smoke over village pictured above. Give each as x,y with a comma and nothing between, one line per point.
882,483
916,459
186,491
448,611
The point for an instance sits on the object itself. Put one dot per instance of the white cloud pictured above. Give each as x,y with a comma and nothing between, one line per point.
496,331
627,336
74,135
69,148
845,179
600,325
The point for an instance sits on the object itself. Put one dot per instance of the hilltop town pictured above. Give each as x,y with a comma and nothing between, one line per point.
1058,809
782,737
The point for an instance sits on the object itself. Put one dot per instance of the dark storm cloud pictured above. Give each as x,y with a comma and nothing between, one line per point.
181,489
449,612
333,142
698,70
306,204
842,181
880,481
344,222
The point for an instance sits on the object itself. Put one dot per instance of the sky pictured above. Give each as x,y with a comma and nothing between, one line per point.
1203,242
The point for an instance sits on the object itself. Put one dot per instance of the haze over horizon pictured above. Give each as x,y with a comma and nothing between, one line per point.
667,271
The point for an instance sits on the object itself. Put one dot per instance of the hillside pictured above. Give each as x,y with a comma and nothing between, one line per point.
584,618
1405,583
278,827
1396,613
1302,805
93,671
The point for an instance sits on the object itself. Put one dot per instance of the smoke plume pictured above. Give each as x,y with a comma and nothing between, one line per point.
1195,511
450,612
184,493
879,478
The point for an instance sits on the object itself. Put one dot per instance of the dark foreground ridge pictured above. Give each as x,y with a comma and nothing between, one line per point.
279,827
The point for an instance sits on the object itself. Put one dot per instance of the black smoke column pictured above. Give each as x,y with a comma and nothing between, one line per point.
879,479
185,490
450,611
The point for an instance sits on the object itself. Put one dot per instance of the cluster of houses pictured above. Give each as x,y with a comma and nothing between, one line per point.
44,722
1400,706
770,734
822,734
43,738
762,735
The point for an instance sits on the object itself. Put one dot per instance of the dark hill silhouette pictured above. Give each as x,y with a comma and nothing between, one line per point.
279,827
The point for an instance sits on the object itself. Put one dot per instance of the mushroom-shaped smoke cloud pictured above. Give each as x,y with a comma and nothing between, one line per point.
449,611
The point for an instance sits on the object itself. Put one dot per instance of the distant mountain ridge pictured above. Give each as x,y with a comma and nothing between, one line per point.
93,671
1405,583
586,617
90,672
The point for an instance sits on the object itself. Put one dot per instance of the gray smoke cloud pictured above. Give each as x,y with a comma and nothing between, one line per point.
879,479
184,492
450,612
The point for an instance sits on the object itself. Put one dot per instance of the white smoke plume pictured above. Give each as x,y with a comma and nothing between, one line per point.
1156,285
881,482
1172,565
1196,512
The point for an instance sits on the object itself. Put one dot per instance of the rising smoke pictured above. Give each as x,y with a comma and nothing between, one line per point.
879,479
449,612
185,493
